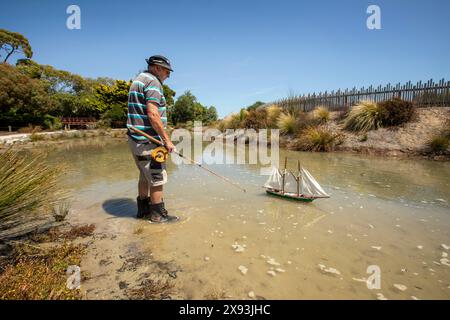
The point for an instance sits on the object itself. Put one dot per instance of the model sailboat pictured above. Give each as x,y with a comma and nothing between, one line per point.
301,187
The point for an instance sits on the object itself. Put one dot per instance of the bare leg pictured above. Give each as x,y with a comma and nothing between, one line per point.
156,194
143,187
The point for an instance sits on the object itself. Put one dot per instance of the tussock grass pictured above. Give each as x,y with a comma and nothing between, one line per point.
273,113
321,114
317,139
439,144
287,123
28,188
363,117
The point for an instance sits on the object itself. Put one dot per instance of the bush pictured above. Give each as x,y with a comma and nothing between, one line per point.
439,144
321,114
256,119
115,117
363,117
287,123
396,112
317,139
52,123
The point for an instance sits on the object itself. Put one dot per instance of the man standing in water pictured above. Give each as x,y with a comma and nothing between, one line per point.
147,112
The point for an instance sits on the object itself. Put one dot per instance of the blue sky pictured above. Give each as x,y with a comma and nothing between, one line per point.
233,53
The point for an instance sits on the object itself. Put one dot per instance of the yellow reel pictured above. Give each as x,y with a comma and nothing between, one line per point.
159,154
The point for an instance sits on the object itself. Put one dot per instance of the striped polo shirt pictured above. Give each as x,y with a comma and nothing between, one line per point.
146,87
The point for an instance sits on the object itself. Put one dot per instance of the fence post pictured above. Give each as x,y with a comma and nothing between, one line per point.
9,129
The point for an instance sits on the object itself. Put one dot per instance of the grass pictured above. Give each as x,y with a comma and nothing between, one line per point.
321,114
439,144
317,139
28,188
40,274
363,117
287,123
273,113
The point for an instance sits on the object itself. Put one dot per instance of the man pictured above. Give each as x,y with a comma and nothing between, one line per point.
147,112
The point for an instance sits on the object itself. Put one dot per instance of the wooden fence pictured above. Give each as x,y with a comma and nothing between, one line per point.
421,94
78,121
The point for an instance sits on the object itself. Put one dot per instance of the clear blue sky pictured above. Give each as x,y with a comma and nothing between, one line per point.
233,53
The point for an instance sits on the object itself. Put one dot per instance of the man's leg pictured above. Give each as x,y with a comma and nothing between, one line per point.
143,187
156,194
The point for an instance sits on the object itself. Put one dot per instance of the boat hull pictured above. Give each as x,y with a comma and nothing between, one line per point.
289,196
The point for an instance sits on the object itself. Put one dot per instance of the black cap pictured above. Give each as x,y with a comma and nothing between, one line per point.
160,61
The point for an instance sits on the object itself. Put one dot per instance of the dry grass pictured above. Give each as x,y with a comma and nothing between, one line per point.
287,123
439,144
317,139
363,117
273,113
321,114
138,230
37,274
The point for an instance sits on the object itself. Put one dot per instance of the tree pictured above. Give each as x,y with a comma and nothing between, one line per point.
183,109
255,105
107,96
169,94
187,108
12,42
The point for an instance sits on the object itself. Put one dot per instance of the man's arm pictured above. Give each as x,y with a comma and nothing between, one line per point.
155,121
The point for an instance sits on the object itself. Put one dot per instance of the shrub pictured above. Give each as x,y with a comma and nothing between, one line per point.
363,117
116,116
317,139
321,114
52,123
439,144
287,123
396,112
256,119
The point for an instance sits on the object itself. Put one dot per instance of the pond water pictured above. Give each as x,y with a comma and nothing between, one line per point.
391,215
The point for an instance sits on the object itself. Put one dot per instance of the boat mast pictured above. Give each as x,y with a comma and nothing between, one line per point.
297,178
284,173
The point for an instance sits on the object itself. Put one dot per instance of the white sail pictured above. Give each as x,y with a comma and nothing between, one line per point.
275,180
290,183
310,187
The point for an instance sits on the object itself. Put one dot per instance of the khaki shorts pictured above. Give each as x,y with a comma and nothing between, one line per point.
154,172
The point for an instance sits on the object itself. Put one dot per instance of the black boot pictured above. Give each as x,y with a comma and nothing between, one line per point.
143,207
159,214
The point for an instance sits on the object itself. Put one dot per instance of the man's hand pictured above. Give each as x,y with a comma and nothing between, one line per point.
169,146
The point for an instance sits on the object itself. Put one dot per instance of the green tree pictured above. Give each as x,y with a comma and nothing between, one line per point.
255,105
169,94
187,108
13,42
23,100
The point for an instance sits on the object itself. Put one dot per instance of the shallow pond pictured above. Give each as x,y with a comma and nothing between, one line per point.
391,215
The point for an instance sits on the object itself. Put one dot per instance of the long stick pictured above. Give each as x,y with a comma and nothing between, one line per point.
156,141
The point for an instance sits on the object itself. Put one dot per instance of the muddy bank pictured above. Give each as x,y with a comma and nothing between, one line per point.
409,140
